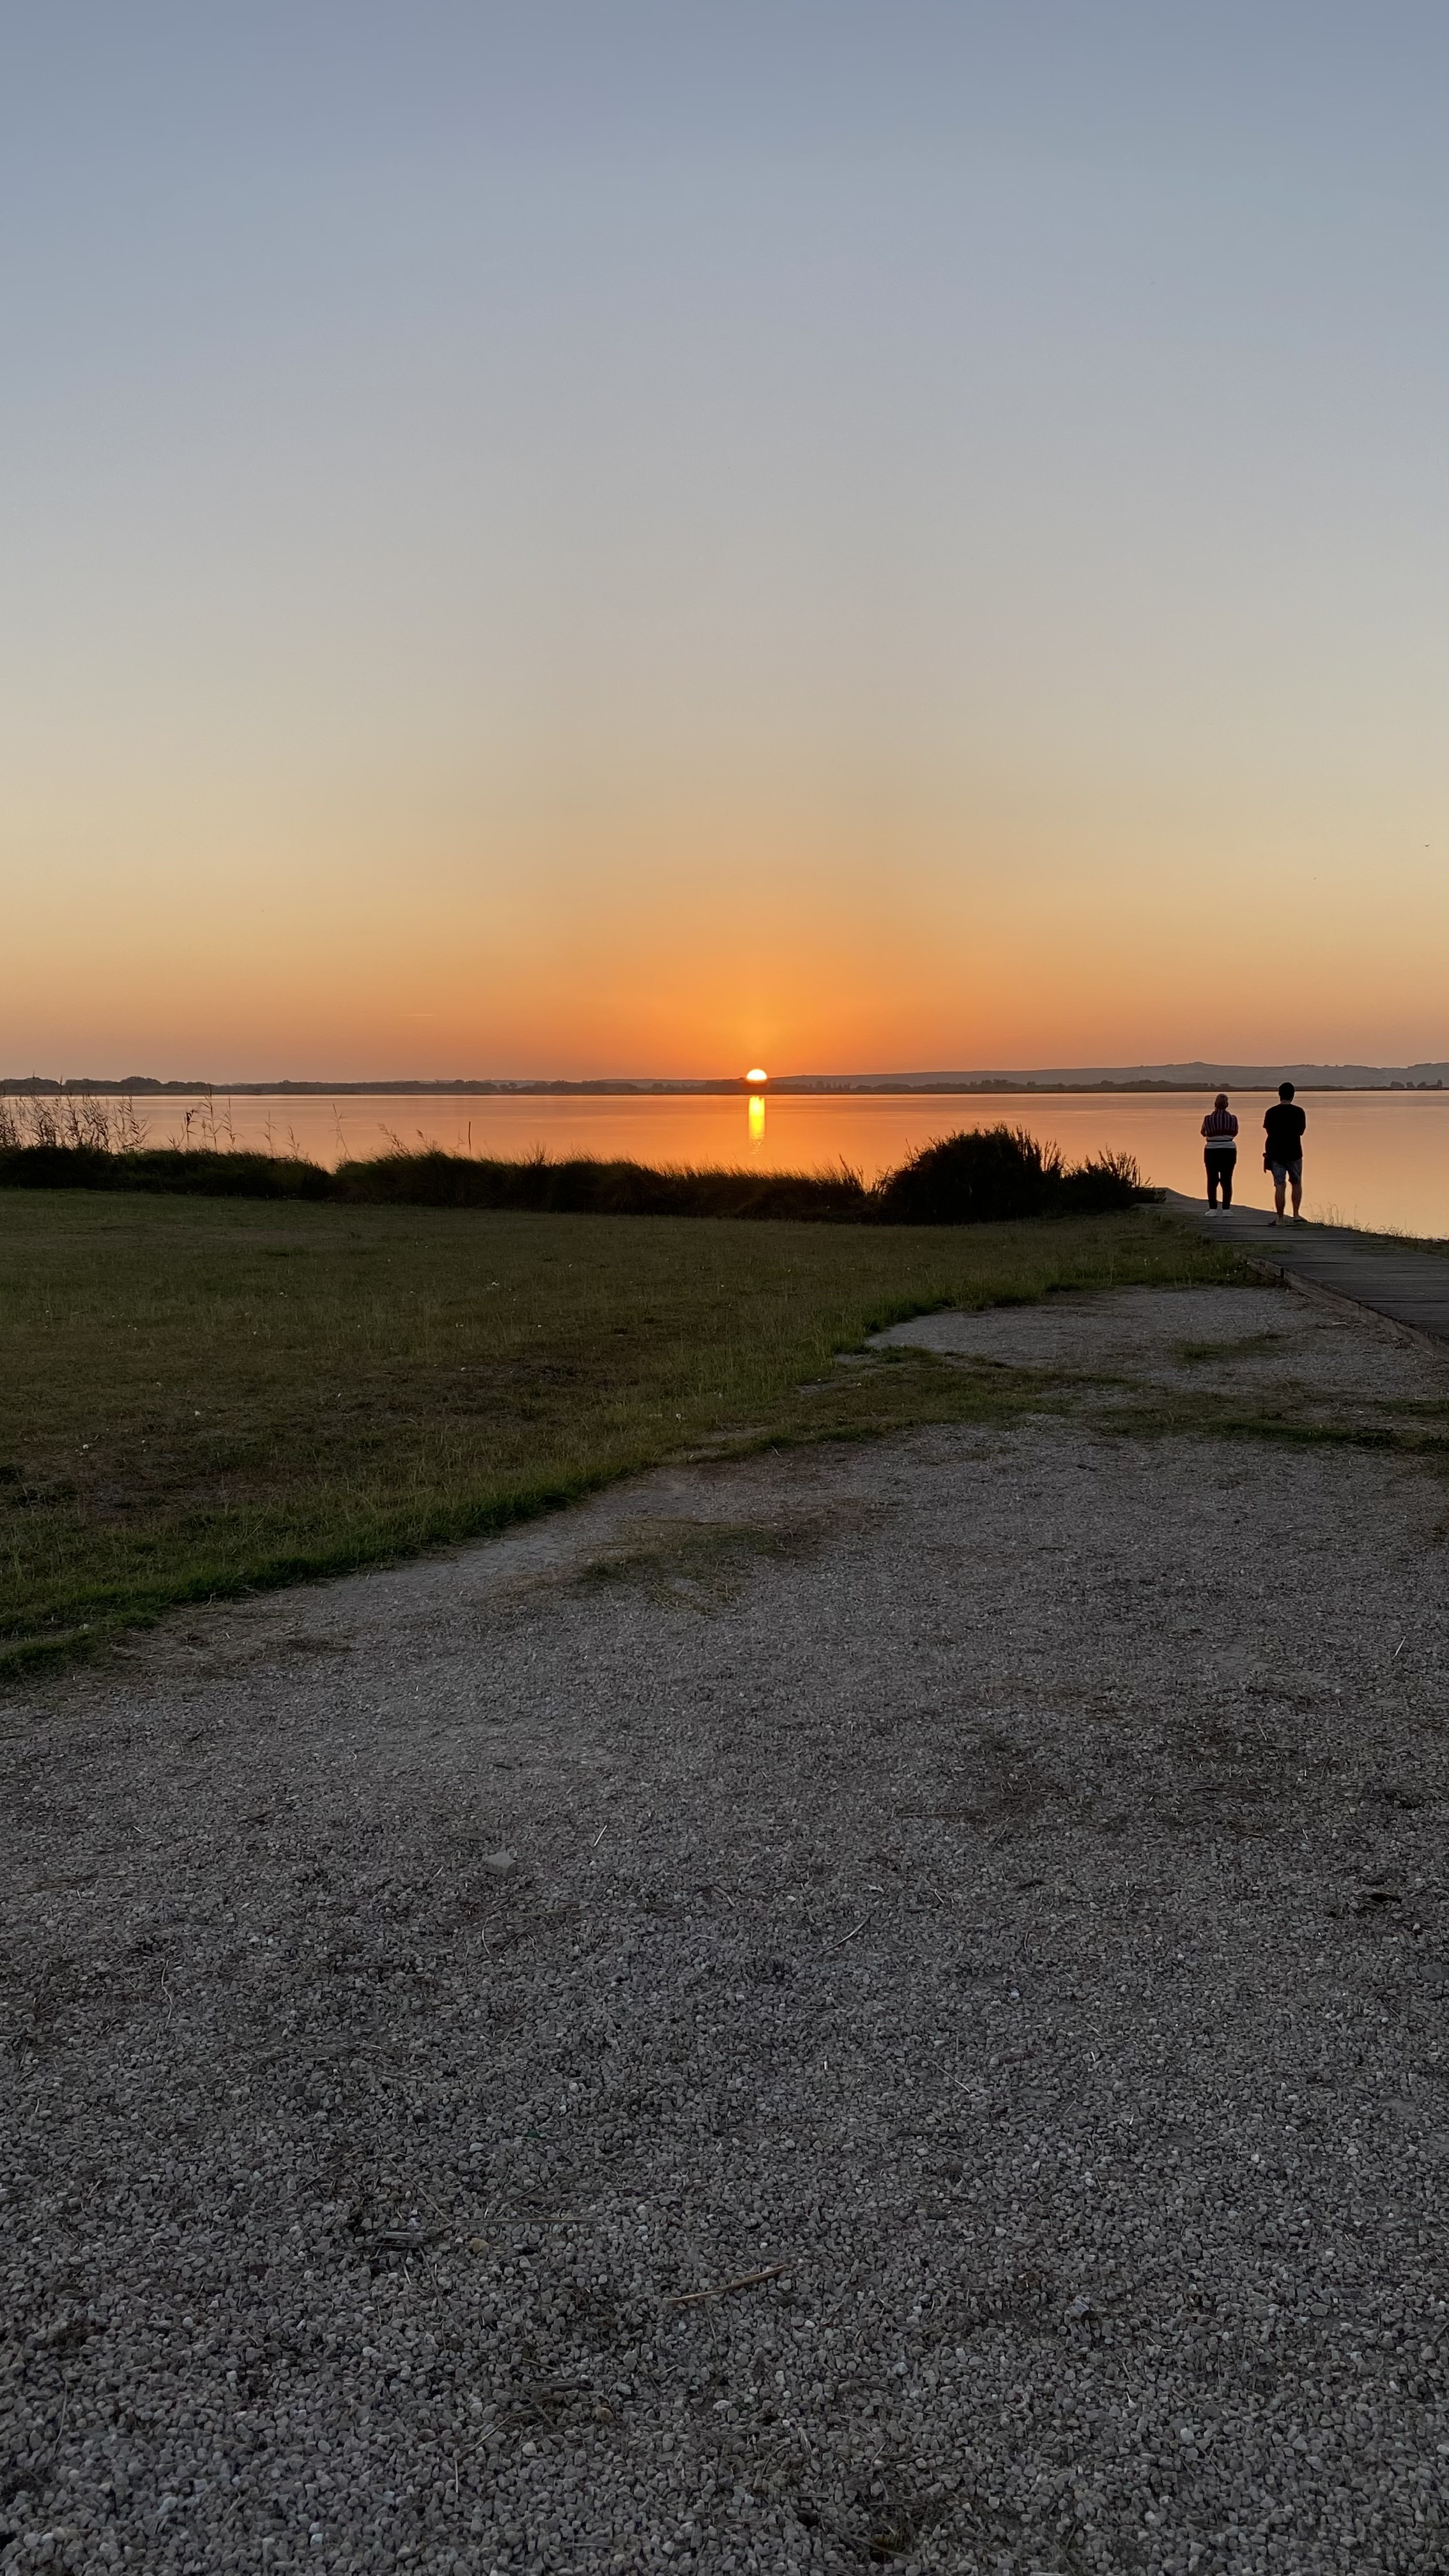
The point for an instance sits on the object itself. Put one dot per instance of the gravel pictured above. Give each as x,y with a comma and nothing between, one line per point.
983,1894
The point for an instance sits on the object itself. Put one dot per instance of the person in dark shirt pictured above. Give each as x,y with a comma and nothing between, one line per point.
1283,1128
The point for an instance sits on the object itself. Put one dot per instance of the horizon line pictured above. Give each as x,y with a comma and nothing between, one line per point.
1191,1074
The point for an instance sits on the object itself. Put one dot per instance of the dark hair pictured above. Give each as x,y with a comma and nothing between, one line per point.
1285,1090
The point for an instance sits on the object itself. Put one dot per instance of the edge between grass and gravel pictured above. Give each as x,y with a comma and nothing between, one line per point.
208,1398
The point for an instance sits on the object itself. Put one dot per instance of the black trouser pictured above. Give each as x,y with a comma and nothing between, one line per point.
1220,1168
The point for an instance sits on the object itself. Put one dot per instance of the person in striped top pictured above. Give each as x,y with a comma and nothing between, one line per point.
1220,1150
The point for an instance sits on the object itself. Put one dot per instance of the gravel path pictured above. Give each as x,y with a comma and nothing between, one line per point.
989,1885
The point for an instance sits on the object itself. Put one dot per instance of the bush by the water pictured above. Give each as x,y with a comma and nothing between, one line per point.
981,1176
988,1175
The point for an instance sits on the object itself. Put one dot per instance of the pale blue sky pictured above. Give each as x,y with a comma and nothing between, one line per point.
536,519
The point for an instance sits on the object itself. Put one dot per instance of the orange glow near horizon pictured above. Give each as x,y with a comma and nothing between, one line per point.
973,938
535,556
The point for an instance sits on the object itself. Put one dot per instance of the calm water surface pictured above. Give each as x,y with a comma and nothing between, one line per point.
1372,1158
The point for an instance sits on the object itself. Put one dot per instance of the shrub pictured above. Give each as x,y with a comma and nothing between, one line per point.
1104,1181
977,1177
990,1175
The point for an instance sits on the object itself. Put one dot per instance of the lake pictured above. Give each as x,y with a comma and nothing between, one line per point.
1373,1158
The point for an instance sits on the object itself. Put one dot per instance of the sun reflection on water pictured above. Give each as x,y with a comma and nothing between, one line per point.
757,1117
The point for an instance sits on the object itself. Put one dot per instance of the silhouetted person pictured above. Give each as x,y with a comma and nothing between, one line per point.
1220,1151
1283,1127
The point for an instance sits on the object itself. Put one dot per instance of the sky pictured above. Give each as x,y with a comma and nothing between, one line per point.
617,536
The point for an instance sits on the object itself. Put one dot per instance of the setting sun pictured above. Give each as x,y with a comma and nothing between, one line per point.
757,1073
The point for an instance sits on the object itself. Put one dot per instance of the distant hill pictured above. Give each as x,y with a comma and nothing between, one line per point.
1200,1075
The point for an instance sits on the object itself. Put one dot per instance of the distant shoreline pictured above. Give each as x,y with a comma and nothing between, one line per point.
826,1086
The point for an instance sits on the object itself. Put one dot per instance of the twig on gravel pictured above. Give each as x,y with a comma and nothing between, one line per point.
855,1927
746,2281
841,2295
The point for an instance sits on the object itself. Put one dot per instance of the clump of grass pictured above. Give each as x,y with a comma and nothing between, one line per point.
206,1395
581,1186
206,1173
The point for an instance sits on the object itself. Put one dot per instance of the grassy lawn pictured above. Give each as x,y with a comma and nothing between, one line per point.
204,1396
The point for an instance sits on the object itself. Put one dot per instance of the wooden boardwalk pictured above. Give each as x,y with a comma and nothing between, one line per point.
1399,1280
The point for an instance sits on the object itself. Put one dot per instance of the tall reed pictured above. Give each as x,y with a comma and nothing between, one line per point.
71,1122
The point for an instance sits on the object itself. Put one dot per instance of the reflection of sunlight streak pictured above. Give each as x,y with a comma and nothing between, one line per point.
757,1118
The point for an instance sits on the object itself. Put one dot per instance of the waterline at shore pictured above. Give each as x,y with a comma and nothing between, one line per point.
1374,1158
